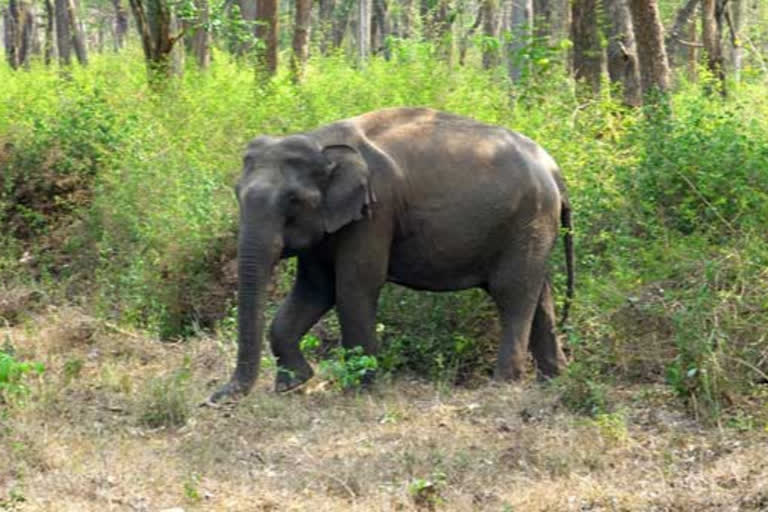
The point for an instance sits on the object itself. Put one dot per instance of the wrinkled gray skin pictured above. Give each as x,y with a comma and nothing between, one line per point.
417,197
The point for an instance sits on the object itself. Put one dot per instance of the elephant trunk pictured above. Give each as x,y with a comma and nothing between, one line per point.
259,249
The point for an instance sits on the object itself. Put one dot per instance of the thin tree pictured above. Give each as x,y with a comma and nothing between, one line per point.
622,52
363,30
267,32
520,32
489,10
652,56
675,40
301,27
19,24
77,33
49,46
737,17
121,24
587,52
712,13
198,40
156,27
63,36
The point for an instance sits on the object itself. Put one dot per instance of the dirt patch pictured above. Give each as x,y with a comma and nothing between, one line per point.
405,445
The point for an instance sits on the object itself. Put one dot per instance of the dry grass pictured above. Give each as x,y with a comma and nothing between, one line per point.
78,443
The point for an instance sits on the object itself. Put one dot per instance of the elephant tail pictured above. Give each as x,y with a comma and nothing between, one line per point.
565,221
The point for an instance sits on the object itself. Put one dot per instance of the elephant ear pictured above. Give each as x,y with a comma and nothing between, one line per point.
348,194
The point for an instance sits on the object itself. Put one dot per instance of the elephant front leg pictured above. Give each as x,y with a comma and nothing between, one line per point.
360,274
311,297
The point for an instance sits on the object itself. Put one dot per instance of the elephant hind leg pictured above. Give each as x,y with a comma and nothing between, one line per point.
311,297
544,345
515,290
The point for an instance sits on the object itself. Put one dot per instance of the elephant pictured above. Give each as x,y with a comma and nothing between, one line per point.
414,196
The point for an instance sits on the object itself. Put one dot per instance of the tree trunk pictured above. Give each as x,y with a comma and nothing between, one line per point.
442,29
78,38
363,30
674,39
121,24
622,52
469,34
542,10
200,40
301,28
490,14
693,53
266,32
654,68
324,24
63,37
49,45
737,13
154,22
587,52
521,31
340,22
380,28
711,38
19,24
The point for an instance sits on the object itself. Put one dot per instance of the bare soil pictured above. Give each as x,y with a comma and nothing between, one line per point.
80,439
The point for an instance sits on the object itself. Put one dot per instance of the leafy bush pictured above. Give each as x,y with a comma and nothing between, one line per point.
12,376
348,368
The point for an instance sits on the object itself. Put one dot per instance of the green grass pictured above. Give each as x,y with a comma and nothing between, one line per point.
131,189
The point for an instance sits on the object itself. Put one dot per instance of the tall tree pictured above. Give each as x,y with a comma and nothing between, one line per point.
156,26
301,37
267,32
63,36
19,24
587,51
712,12
77,33
363,29
738,12
490,13
198,38
49,47
652,56
520,31
622,52
675,40
121,24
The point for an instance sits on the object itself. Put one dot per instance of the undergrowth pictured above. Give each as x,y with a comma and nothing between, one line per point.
125,196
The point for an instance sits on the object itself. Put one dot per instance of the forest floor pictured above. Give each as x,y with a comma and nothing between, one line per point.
81,440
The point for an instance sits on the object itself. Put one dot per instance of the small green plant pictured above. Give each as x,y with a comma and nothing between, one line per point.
166,402
582,390
191,490
348,368
612,426
12,376
72,369
426,492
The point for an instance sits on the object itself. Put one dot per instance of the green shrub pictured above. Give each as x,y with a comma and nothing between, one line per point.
165,401
348,368
13,374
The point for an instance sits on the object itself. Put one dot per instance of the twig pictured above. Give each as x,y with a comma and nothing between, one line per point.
749,365
701,196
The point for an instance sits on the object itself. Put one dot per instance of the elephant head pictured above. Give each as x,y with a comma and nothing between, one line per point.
292,193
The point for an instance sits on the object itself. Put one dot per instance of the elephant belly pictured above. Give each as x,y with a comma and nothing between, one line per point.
439,257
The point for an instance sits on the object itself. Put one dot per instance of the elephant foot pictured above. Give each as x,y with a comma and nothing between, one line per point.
231,391
289,379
